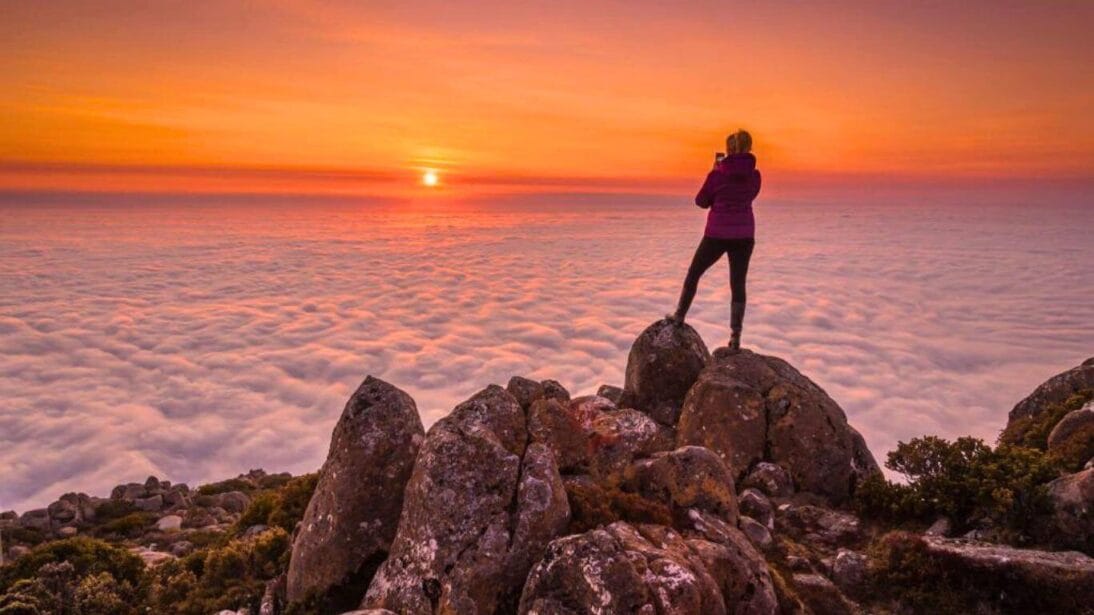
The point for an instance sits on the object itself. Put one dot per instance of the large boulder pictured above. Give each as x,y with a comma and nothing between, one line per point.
1055,390
477,510
1072,439
351,519
662,365
625,568
1010,580
750,408
1071,523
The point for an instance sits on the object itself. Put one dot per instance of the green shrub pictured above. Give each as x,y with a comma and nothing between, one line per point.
1032,431
87,556
129,526
25,535
224,486
965,480
292,501
258,511
229,576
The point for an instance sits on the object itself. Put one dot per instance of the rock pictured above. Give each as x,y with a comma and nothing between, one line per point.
941,527
128,492
553,390
629,569
542,513
176,498
1071,523
756,532
182,548
663,363
67,532
62,511
821,595
1075,424
149,504
1054,390
37,519
151,484
798,563
353,515
770,479
849,569
8,515
727,416
232,501
740,569
151,558
170,523
370,612
255,530
1017,580
18,551
690,477
589,435
818,526
748,407
525,391
756,505
453,542
608,391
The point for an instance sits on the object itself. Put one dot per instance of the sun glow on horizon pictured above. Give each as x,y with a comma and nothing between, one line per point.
430,178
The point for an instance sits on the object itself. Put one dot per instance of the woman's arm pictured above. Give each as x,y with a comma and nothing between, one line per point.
705,198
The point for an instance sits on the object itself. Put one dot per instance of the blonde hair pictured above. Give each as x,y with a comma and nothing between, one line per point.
739,142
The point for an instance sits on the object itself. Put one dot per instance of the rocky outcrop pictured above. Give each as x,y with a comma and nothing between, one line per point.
477,509
352,517
1071,523
662,365
1075,425
1055,390
1015,580
753,409
625,568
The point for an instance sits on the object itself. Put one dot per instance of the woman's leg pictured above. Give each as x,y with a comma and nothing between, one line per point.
708,253
740,253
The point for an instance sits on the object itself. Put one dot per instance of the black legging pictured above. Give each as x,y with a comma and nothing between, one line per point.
708,253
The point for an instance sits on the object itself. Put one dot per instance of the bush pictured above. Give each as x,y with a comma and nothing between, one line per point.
965,480
129,526
1032,431
224,486
87,556
230,576
283,508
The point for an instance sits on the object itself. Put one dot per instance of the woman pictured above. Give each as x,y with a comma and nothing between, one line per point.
728,193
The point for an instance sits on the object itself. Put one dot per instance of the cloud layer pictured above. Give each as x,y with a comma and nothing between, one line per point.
194,342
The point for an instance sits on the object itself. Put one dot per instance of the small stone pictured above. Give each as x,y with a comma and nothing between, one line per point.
756,505
849,569
757,534
67,532
941,527
182,548
169,523
771,479
611,392
553,390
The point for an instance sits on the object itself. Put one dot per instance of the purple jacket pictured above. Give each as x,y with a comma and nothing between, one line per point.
728,193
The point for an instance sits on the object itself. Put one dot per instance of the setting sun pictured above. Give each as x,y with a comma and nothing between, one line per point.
429,178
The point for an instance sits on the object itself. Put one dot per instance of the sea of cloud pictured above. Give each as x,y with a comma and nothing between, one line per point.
193,341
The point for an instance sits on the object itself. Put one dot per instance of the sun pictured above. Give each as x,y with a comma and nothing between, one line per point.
429,178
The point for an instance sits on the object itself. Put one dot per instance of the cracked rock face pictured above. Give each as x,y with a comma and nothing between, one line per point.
478,511
662,365
751,408
1055,390
352,517
624,568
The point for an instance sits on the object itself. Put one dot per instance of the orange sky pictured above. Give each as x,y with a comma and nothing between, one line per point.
300,96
